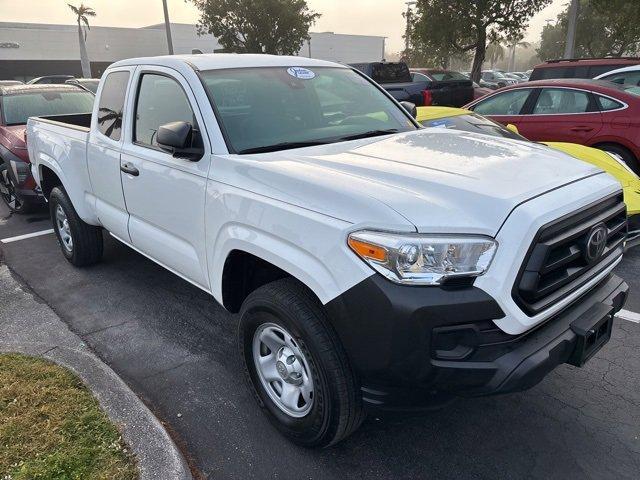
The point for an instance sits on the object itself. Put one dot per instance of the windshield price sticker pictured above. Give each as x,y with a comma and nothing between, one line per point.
301,73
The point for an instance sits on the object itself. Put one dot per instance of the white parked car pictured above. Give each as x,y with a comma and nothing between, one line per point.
374,264
626,75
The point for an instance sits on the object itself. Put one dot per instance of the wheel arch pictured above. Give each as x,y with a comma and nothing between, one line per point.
247,258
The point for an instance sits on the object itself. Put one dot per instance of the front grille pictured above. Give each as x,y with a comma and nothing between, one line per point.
556,263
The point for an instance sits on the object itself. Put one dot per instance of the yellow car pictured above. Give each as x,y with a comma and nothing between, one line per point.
461,119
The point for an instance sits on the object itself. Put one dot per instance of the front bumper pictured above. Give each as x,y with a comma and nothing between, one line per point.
415,346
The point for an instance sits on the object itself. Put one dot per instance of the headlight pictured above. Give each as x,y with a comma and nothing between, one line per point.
619,159
423,259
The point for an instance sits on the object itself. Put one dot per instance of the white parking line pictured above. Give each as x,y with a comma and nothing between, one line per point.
630,316
28,235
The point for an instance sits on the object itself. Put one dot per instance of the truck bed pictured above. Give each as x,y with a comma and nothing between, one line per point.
73,120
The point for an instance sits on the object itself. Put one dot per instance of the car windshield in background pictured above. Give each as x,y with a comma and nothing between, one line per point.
19,107
473,123
445,76
275,108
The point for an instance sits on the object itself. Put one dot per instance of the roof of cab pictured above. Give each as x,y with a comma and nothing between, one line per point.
213,61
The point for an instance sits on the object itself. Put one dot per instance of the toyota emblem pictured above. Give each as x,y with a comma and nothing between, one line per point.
596,243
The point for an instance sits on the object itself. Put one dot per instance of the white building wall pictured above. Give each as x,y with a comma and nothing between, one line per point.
109,44
344,48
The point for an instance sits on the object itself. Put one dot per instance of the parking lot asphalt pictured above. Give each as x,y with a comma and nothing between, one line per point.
176,348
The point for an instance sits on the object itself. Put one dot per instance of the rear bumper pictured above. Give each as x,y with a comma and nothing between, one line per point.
415,348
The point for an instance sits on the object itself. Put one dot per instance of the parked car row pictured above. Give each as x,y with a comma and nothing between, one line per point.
420,86
594,113
90,84
376,264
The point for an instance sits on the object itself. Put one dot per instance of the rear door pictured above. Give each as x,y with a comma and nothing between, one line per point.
165,195
103,151
504,107
561,115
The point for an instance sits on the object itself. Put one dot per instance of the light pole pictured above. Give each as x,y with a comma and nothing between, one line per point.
167,26
406,32
571,30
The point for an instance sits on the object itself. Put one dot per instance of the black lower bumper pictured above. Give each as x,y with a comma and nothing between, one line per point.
415,346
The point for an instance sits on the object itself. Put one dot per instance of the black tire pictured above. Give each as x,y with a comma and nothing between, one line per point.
14,201
336,411
627,156
87,239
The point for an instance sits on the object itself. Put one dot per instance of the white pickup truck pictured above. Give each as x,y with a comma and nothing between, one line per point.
375,264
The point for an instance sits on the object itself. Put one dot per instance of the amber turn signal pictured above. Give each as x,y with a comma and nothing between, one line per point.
368,250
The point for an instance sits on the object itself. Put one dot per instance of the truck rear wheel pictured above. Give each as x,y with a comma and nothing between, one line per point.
80,242
296,365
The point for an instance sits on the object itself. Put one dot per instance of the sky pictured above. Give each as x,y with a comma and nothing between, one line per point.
364,17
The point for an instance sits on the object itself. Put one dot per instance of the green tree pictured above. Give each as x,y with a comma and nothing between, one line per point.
604,28
257,26
466,26
82,13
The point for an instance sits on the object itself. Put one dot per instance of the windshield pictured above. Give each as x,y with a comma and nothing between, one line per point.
273,108
475,124
18,108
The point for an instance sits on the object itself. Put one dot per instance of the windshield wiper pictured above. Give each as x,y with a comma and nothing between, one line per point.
370,133
282,146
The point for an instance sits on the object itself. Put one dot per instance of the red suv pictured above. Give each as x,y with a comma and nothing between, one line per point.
595,113
17,104
580,68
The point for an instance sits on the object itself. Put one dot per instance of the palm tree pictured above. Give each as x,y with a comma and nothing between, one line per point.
495,53
82,12
514,43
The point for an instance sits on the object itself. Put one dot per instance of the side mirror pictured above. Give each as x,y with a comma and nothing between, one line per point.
410,108
178,138
513,128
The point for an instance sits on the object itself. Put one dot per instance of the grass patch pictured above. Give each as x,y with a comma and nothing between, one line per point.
51,427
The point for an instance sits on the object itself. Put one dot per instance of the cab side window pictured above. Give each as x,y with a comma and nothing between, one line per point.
507,103
160,100
111,106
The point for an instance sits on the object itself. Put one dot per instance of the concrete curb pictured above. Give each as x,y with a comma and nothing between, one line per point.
157,455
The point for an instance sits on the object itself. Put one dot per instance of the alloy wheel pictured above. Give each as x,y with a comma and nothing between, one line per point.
8,190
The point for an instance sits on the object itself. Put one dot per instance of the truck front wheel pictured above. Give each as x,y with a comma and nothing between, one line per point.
80,242
296,365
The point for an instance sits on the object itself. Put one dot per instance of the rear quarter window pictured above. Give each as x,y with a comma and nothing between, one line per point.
111,106
606,104
391,73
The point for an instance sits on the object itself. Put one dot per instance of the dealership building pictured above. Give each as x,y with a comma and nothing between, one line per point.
29,50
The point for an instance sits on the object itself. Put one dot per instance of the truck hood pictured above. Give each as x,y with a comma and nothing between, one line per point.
437,180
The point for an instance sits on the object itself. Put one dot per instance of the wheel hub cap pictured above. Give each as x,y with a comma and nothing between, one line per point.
289,366
283,370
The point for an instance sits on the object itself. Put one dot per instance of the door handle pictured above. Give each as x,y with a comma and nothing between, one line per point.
581,129
129,169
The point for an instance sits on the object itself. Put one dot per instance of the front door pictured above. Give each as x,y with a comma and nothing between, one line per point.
504,107
165,196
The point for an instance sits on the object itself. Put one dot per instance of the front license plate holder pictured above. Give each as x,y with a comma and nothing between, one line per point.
593,330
